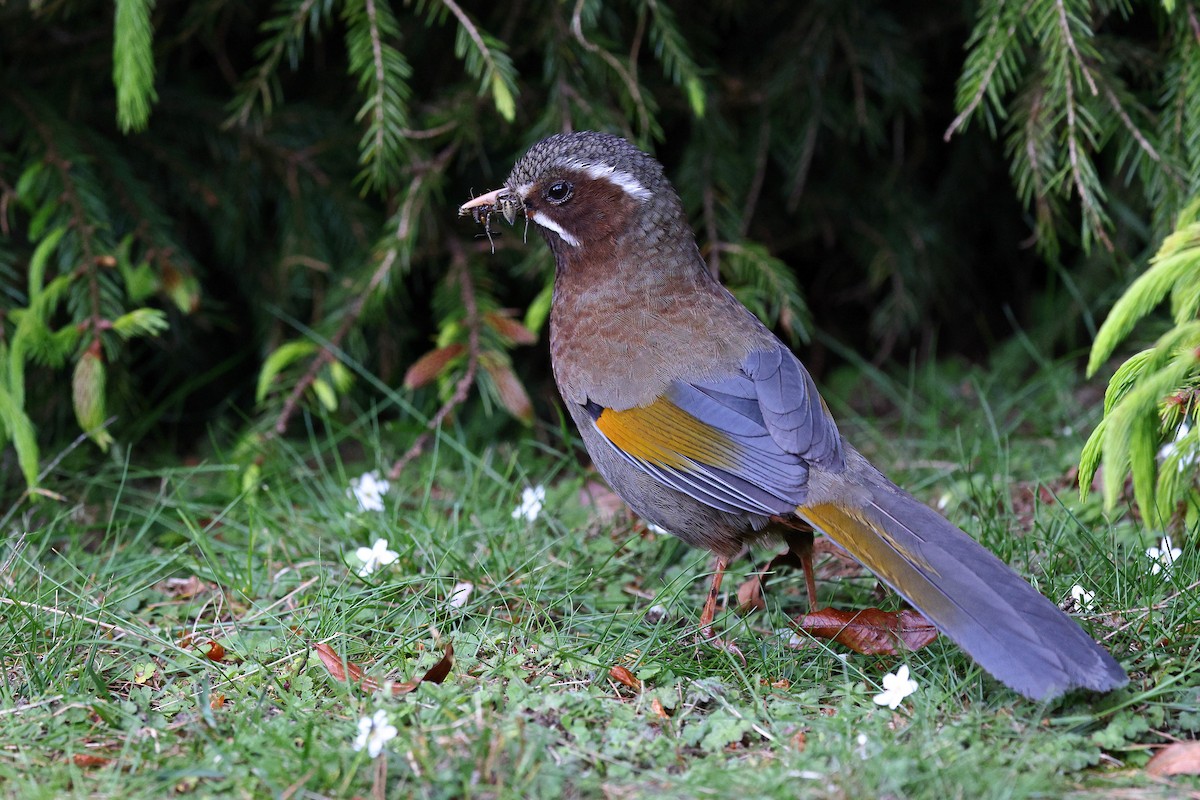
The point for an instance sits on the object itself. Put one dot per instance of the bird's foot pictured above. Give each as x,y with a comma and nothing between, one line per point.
708,636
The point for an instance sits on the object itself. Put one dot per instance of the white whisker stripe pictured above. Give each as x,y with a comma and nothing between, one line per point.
549,224
619,178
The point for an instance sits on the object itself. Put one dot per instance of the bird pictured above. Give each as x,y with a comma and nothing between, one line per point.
708,426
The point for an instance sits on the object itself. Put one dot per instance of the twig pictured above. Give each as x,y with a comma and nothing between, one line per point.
325,357
986,81
630,81
403,228
1144,611
380,78
806,158
108,626
476,37
462,389
760,174
1065,25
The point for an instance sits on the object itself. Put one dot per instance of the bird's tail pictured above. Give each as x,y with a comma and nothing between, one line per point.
1011,630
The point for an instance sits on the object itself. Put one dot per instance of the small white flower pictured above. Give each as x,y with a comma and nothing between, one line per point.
531,503
368,490
1163,556
373,733
896,688
1082,597
373,557
460,594
862,740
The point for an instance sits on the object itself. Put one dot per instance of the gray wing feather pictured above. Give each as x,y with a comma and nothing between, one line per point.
792,409
772,413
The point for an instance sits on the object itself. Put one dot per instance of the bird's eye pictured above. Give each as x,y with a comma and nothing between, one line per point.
560,192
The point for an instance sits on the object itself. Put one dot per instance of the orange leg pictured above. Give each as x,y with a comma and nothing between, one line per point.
709,612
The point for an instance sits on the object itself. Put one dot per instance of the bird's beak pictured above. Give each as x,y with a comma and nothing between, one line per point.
501,200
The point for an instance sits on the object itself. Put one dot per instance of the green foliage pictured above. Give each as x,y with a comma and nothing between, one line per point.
1152,397
214,211
133,63
1064,83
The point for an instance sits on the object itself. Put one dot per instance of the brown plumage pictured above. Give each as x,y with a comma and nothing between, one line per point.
704,422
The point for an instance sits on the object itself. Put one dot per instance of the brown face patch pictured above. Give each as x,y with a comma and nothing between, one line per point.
596,214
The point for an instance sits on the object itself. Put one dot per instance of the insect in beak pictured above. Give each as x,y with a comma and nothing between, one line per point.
482,208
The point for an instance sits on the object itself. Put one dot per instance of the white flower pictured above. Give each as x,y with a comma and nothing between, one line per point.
531,503
460,594
373,733
896,688
1082,597
368,490
373,557
1163,556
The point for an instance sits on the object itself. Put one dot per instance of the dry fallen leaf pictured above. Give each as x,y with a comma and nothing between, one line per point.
88,760
870,631
349,671
182,588
657,707
215,651
1180,758
625,678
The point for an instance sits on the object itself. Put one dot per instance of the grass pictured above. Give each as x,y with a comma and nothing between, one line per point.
111,598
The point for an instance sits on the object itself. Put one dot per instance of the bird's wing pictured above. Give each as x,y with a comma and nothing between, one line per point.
740,443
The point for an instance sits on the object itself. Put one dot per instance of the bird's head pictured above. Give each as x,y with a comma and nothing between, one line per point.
588,192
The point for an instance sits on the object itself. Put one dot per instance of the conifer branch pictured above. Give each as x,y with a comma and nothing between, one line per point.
631,84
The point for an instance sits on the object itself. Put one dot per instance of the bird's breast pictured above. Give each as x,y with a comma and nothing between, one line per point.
622,345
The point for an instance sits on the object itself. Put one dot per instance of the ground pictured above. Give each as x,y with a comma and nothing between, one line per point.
162,628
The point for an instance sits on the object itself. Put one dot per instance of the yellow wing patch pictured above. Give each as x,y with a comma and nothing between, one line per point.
869,543
665,435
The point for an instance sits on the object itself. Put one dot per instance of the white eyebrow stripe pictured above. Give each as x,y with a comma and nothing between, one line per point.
549,224
617,177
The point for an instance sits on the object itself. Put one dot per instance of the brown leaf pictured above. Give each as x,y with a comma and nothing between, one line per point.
750,595
625,677
216,702
657,707
510,390
182,588
1180,758
87,760
429,366
870,631
215,651
502,323
333,662
441,670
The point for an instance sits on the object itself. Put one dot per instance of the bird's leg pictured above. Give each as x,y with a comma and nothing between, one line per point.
709,612
798,536
800,548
